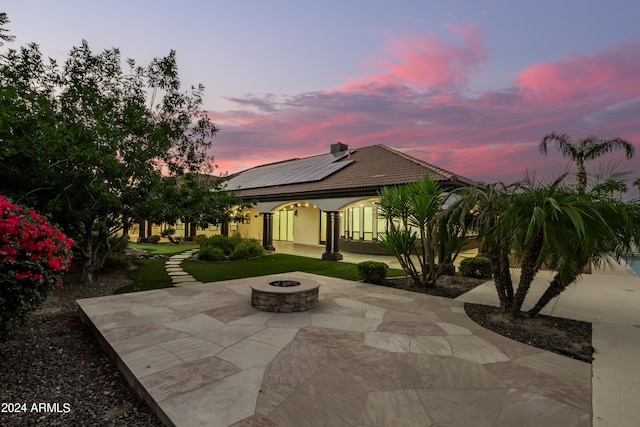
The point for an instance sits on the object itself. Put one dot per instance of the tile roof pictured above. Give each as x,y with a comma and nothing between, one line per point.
361,171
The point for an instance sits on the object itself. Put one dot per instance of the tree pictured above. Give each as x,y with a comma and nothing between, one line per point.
190,200
547,224
4,19
91,144
478,210
612,228
589,148
418,230
636,184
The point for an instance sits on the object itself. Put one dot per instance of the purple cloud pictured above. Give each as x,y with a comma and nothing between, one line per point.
416,98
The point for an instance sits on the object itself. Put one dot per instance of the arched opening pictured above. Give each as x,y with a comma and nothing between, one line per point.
297,222
360,221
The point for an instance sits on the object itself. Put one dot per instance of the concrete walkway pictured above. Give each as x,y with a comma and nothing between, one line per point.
610,300
366,356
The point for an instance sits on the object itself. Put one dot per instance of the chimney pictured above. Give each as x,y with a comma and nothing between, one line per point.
338,147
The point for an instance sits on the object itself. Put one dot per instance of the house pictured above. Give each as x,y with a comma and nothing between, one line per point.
328,199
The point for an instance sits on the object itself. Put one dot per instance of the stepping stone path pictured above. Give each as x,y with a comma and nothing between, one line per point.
179,277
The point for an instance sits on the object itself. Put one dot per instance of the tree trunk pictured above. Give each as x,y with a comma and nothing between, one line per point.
429,266
555,288
101,249
529,269
125,227
87,253
499,259
94,251
581,176
407,265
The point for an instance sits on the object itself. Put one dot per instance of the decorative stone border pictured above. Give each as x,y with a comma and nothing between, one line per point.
288,299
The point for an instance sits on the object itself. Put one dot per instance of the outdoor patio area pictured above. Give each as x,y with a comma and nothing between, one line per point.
365,356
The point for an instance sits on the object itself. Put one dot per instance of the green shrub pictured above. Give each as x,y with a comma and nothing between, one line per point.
154,239
247,249
373,272
199,238
33,257
117,256
168,232
236,238
210,253
218,241
477,267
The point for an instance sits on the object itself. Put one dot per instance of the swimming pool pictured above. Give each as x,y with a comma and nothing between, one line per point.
633,262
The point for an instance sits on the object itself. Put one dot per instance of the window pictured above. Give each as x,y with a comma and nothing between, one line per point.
367,226
355,223
362,222
283,225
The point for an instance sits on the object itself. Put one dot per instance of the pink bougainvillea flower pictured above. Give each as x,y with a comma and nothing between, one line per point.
33,256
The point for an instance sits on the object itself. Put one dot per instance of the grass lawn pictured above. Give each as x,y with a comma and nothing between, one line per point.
273,264
151,273
167,249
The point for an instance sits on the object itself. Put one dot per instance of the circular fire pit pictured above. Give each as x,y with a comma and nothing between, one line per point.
284,283
286,295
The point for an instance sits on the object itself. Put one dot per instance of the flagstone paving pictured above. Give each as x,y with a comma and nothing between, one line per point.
365,356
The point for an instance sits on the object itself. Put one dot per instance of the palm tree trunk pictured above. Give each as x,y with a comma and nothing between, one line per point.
505,273
529,269
581,175
555,288
501,276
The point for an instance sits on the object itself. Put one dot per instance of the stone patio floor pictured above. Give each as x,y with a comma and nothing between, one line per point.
366,356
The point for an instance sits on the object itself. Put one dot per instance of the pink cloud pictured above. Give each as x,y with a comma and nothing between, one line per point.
600,78
417,100
424,60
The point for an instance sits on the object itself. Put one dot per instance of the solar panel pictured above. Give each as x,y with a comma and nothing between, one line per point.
295,171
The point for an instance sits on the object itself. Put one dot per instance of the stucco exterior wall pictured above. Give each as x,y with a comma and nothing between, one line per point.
306,225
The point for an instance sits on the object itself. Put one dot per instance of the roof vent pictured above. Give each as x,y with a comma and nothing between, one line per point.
338,147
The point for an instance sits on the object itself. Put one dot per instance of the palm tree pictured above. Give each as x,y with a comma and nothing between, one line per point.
537,219
417,230
550,224
588,148
480,209
610,228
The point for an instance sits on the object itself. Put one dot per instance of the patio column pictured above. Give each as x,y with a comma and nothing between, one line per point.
332,251
267,231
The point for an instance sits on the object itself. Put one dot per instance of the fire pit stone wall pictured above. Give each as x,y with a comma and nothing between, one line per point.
284,299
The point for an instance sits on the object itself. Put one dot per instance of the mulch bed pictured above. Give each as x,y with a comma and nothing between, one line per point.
564,336
55,360
568,337
447,287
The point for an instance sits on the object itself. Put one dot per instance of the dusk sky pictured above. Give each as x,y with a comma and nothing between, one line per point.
470,86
